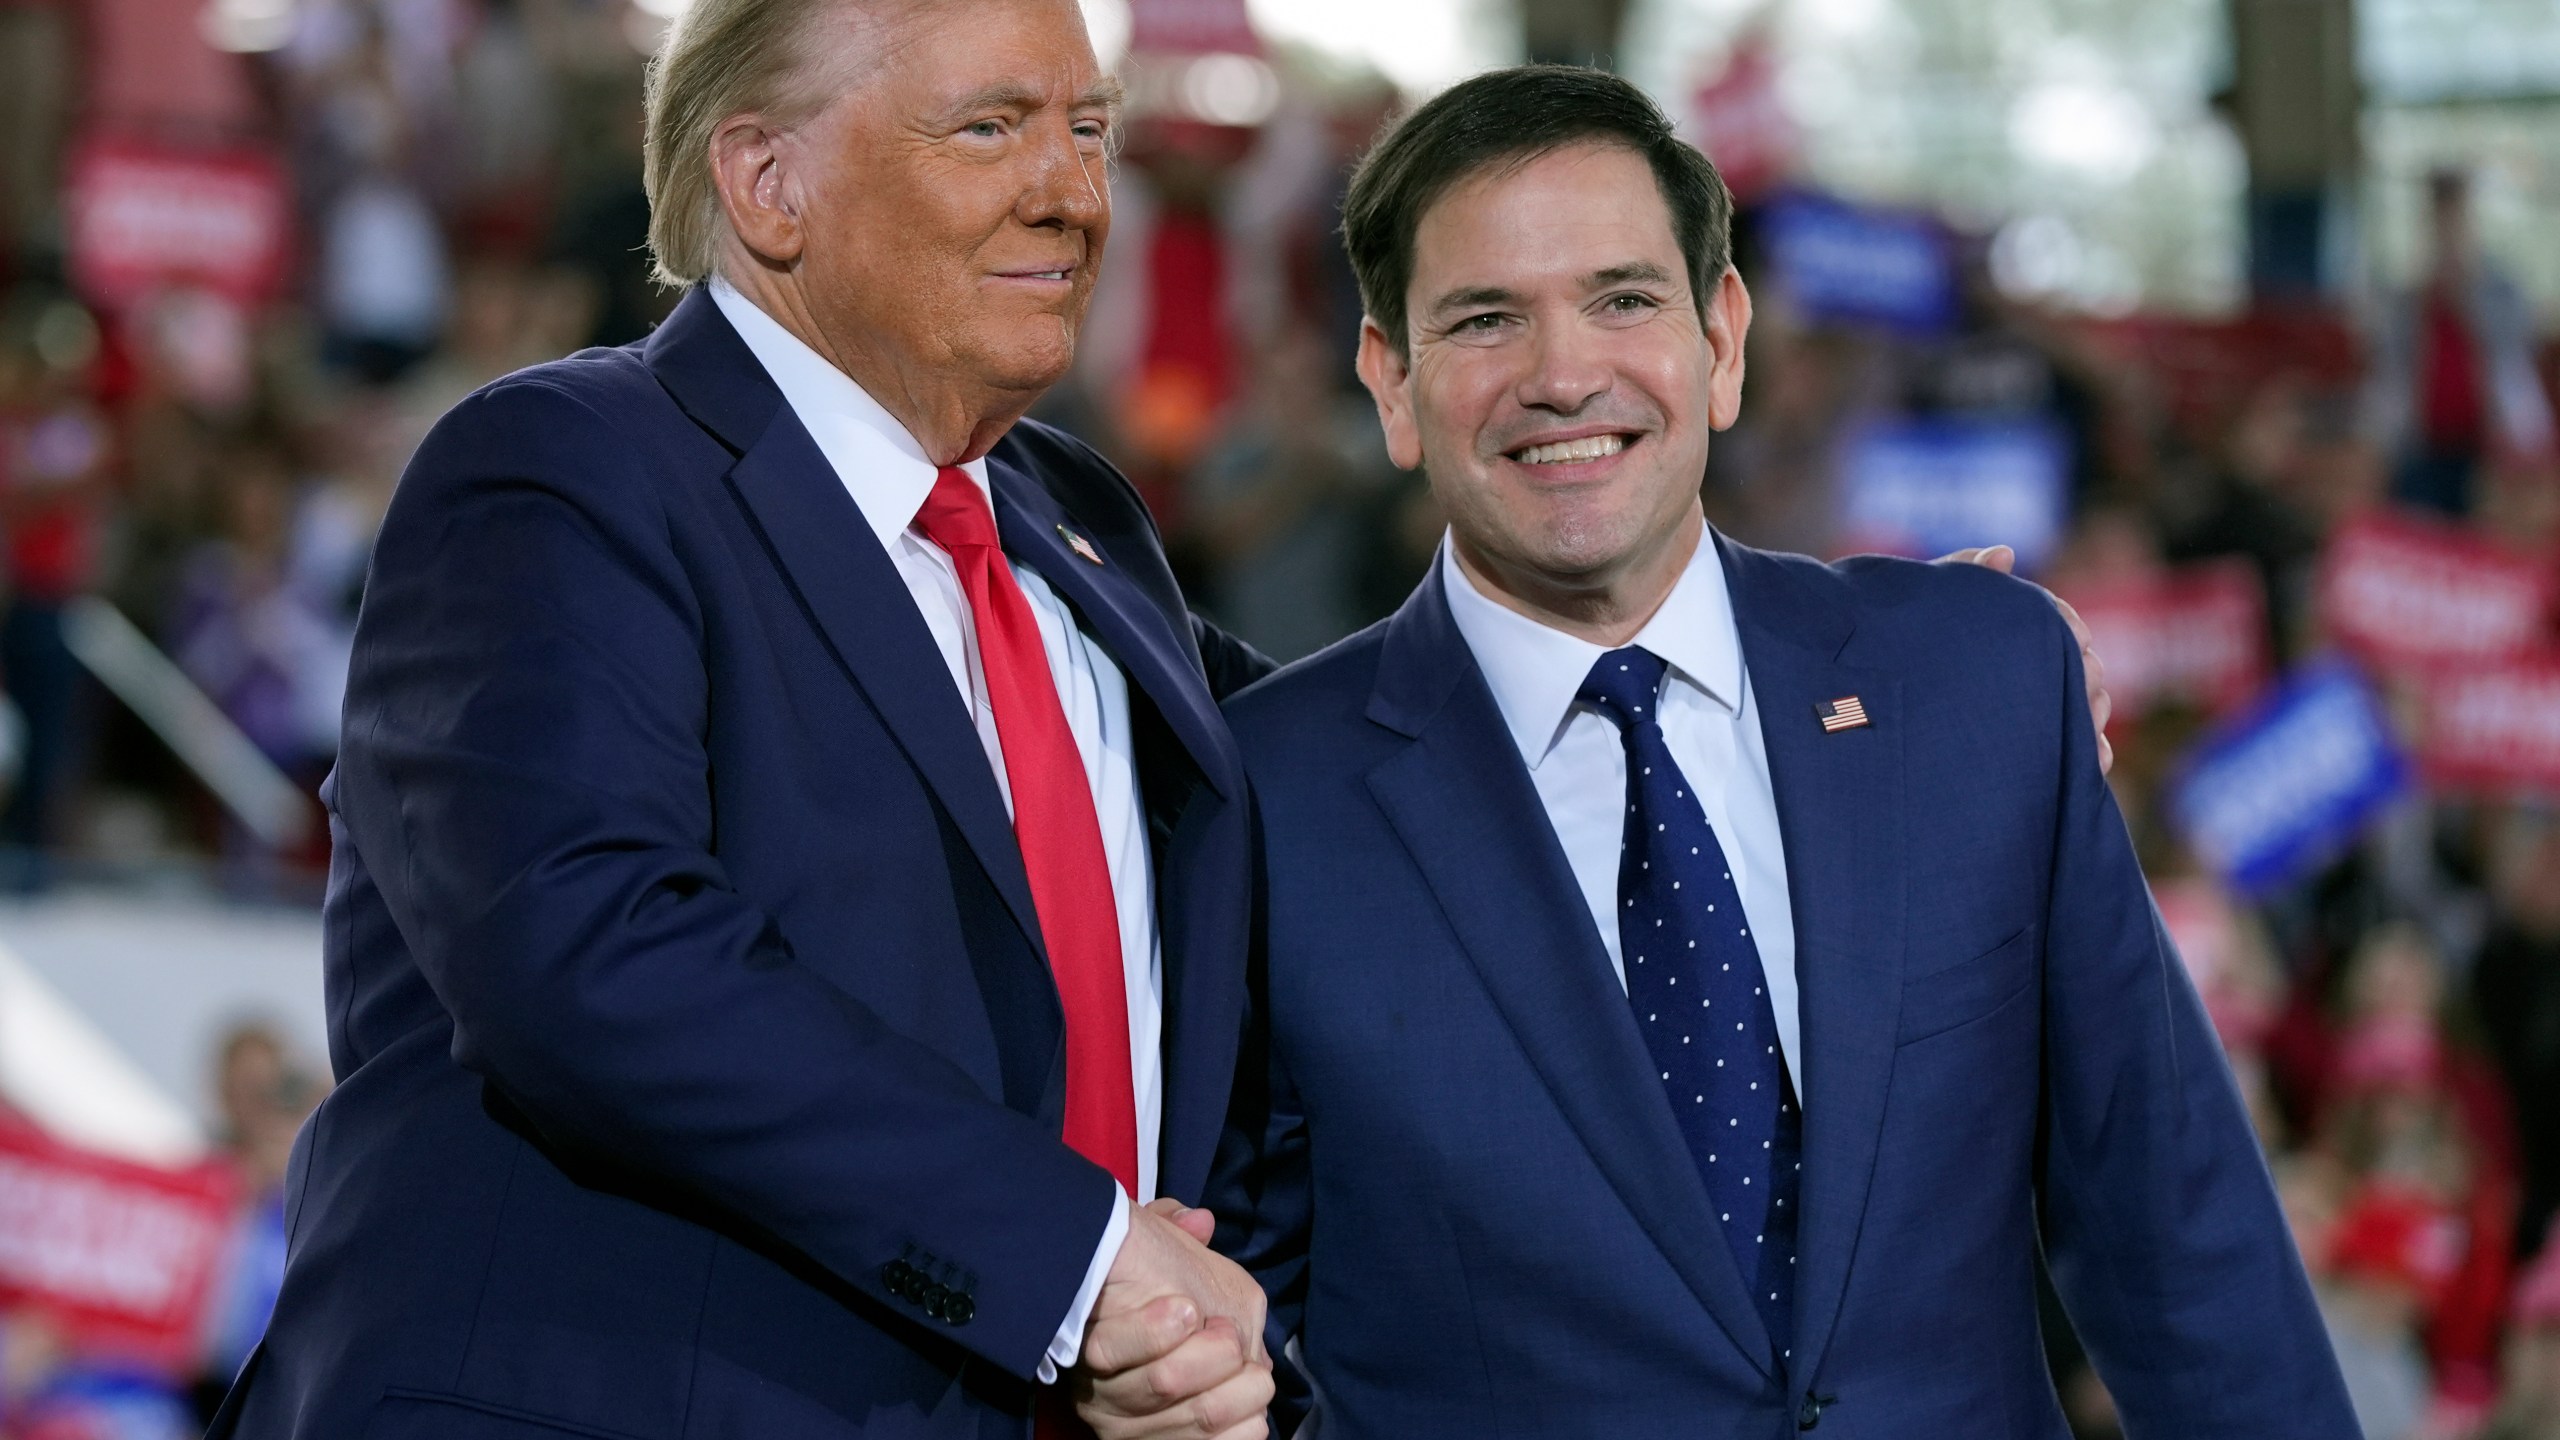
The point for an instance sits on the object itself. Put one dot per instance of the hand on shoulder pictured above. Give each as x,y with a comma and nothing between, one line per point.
2101,705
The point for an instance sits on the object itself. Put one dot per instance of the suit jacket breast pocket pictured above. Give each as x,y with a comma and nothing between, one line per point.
1968,990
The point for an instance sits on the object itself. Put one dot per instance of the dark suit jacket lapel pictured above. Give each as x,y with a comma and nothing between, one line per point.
1840,813
1201,917
847,582
1157,657
1463,804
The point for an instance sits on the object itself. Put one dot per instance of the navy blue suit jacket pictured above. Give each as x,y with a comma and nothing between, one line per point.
701,1074
1453,1167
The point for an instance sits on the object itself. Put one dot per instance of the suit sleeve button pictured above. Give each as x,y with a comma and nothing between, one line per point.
959,1310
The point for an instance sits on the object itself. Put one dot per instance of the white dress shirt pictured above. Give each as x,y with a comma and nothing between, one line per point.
889,476
1577,757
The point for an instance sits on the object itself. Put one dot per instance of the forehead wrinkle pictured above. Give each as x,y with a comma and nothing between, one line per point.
881,30
841,54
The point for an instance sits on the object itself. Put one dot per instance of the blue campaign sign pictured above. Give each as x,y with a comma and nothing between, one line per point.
1928,486
1843,262
2283,788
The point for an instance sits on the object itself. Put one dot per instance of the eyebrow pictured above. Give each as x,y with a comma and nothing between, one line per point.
1470,297
1632,272
1105,94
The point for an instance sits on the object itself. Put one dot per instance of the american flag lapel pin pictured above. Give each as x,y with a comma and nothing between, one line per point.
1080,545
1846,713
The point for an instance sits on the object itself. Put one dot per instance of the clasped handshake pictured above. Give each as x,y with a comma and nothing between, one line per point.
1174,1350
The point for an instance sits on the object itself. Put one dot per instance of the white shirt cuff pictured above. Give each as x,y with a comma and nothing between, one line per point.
1064,1350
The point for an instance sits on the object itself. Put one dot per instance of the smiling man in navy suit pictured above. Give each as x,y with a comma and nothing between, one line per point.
786,928
1695,985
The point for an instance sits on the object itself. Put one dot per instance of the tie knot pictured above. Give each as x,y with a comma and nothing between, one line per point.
955,514
1625,685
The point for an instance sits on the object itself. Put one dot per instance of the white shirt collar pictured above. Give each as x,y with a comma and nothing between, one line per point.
881,465
1535,670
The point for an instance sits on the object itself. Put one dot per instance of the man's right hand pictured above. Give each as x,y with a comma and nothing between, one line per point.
1174,1351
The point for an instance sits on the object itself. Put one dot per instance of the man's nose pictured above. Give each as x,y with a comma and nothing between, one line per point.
1566,371
1068,188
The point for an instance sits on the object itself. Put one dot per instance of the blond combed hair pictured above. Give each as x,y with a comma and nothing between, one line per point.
720,58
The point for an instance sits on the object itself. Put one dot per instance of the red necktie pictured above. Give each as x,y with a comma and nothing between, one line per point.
1054,823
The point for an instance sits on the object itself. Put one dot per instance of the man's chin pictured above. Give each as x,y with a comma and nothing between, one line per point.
1572,544
1022,364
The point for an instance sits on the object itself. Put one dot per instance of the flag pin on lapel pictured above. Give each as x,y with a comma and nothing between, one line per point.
1080,545
1846,713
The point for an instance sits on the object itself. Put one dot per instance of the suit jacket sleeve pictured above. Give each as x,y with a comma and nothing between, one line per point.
524,772
2161,1228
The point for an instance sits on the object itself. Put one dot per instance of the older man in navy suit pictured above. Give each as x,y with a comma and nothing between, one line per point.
1697,987
787,921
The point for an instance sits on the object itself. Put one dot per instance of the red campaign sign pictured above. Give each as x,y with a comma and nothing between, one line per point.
2196,635
1742,123
2495,729
2405,591
123,1255
1191,27
145,217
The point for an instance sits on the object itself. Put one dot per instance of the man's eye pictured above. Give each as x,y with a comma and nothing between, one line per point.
987,129
1480,323
1629,304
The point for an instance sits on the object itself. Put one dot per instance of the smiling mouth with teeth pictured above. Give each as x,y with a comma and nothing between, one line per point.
1566,452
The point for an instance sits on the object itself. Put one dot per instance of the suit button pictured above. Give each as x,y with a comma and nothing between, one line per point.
933,1298
893,1277
959,1310
1809,1414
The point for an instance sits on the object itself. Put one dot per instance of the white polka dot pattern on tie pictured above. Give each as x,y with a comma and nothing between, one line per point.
1673,880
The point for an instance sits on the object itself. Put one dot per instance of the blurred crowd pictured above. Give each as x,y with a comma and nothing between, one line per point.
457,194
461,197
72,1370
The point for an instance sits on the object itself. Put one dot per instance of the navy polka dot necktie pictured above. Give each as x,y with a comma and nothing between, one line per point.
1701,1002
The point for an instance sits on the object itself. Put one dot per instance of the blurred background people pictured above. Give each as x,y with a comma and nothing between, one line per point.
2531,1407
2457,386
265,1095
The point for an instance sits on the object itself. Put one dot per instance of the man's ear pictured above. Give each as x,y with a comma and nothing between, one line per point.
1388,372
758,191
1728,325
